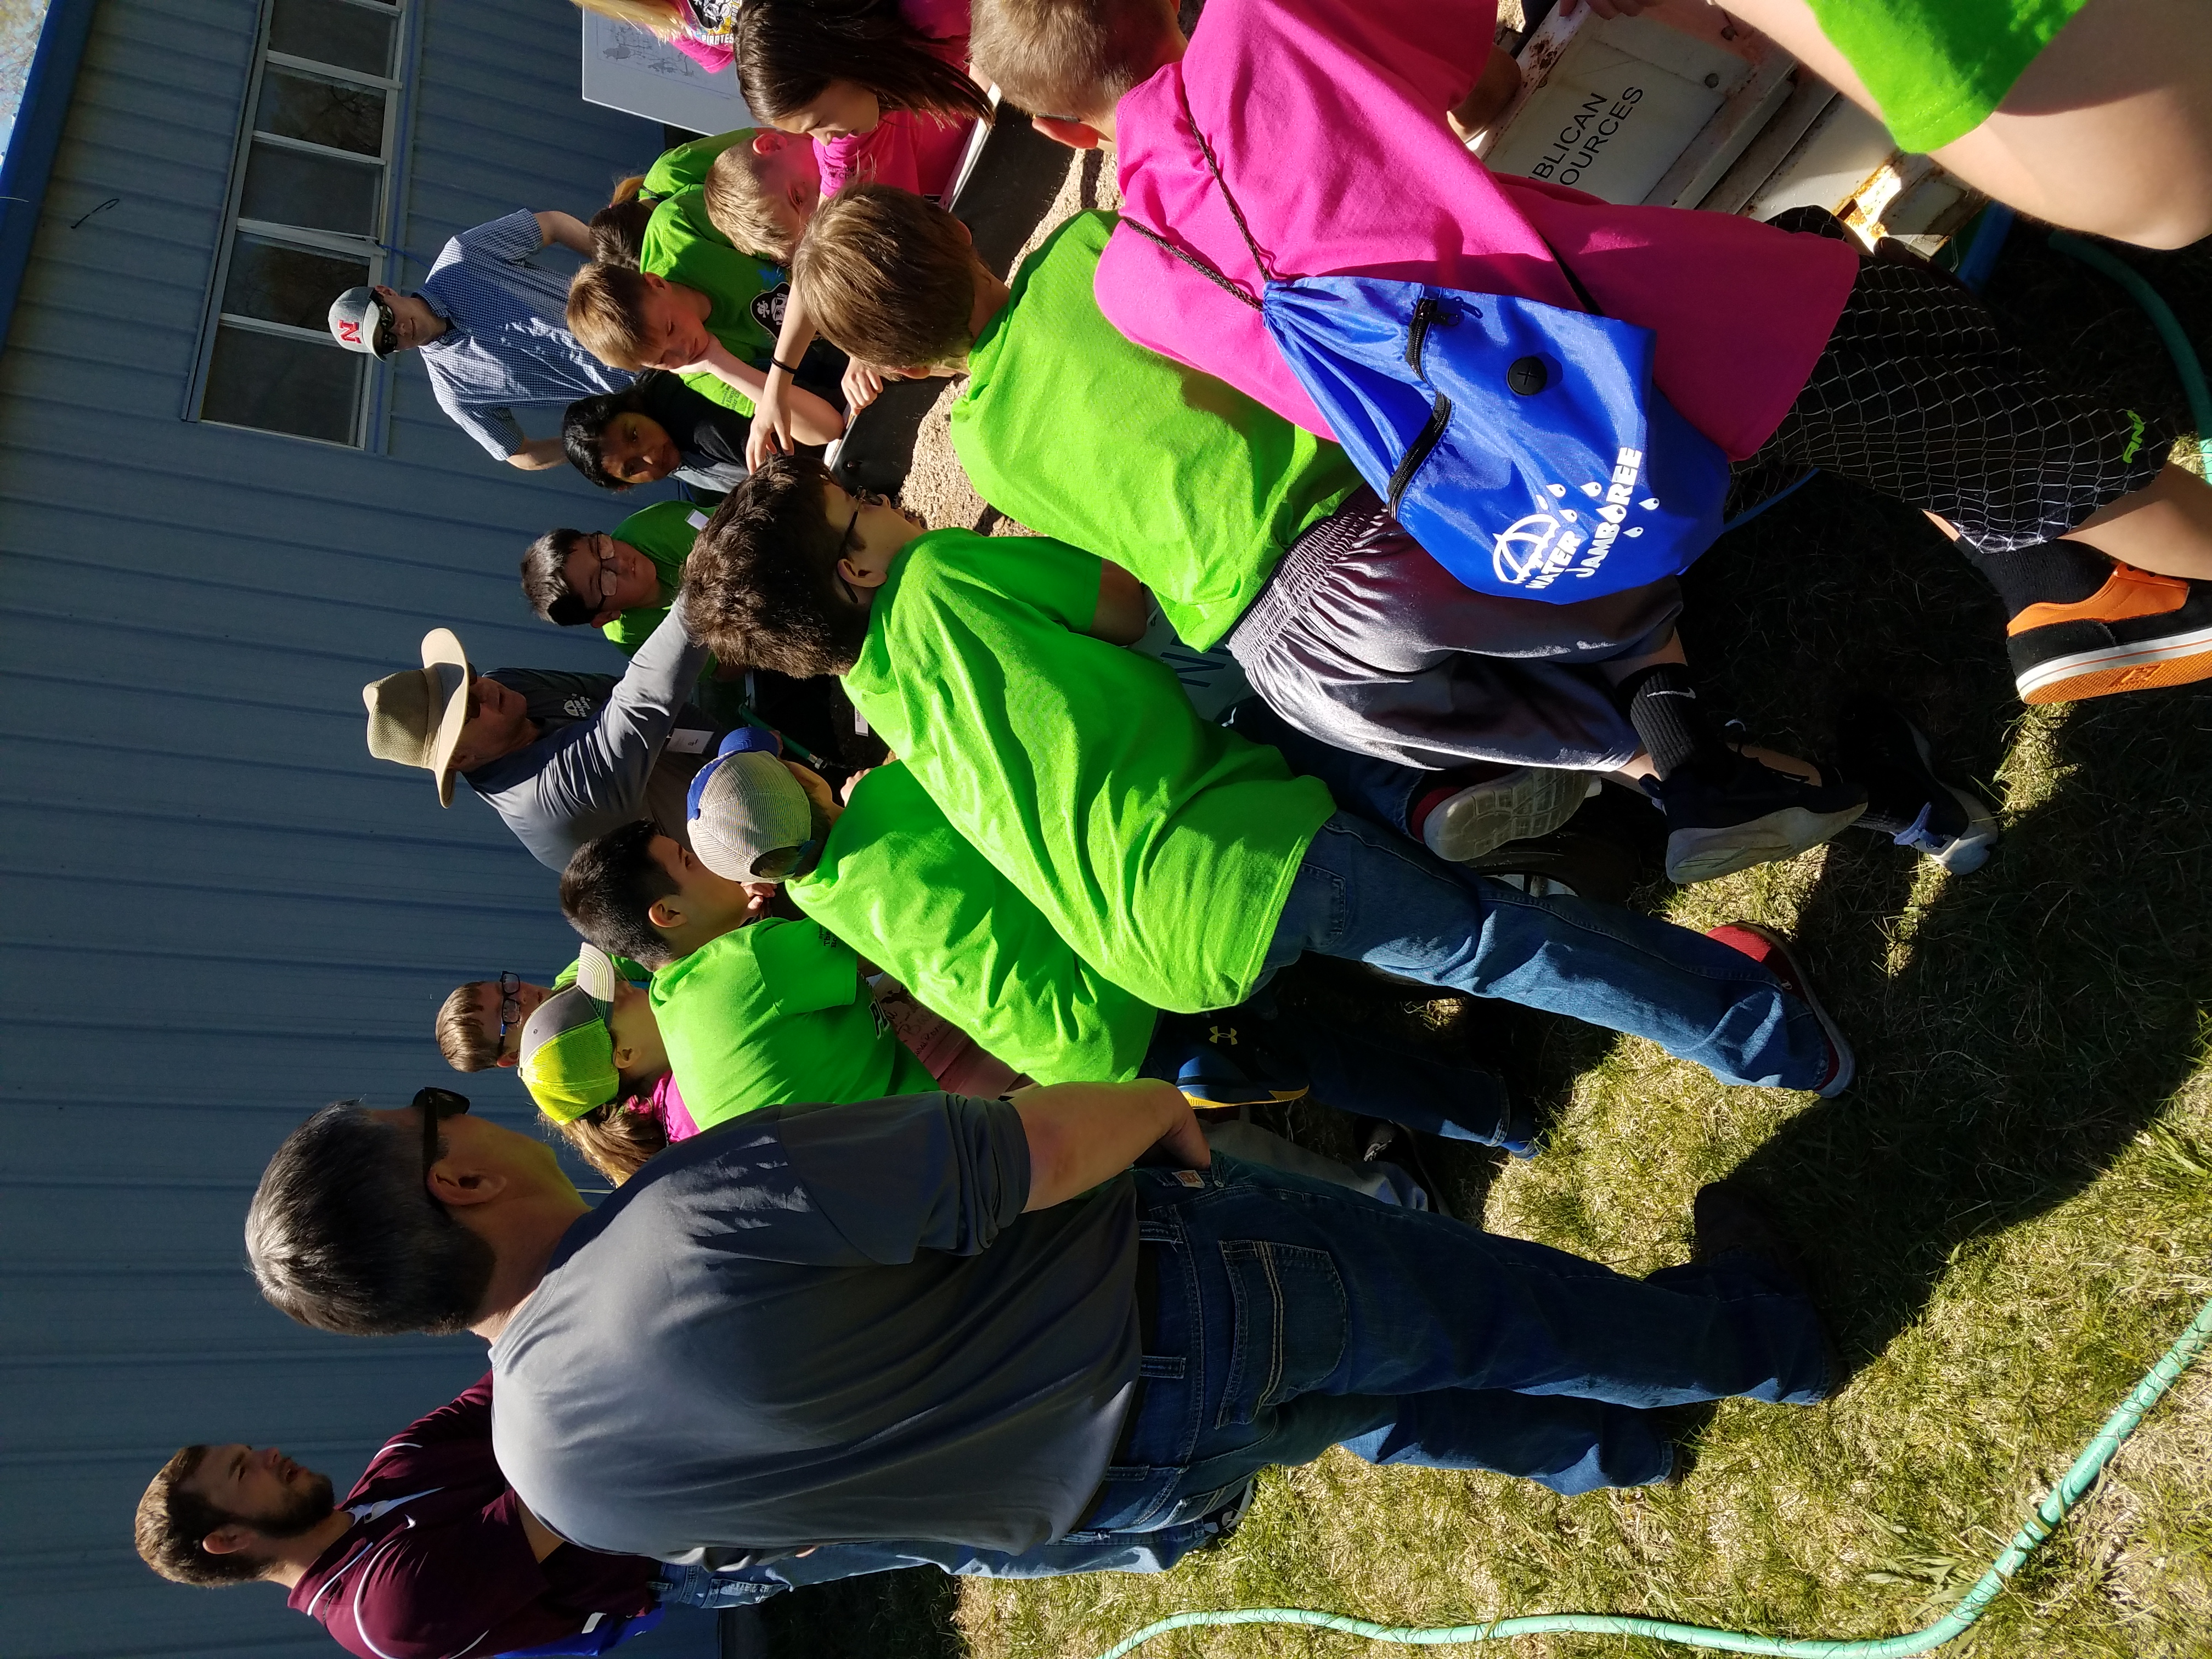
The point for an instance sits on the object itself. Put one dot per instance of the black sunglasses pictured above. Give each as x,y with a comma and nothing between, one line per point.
436,1105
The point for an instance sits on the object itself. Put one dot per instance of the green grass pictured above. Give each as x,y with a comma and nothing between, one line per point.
2008,1217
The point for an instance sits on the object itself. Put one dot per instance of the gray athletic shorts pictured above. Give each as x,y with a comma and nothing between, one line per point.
1363,640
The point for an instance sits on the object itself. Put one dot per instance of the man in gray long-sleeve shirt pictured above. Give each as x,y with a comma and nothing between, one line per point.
561,757
965,1319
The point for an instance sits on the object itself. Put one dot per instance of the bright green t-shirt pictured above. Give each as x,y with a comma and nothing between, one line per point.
1940,68
774,1014
1162,848
664,532
1182,480
745,292
900,885
686,167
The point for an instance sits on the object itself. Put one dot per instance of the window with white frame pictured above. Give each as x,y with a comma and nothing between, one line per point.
312,196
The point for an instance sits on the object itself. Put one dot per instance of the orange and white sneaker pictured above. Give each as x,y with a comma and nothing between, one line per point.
2139,631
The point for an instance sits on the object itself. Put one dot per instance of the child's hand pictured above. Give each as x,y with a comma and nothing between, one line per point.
771,430
863,386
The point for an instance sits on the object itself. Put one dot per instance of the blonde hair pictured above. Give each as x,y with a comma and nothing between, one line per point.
614,1140
740,205
1070,59
606,314
657,17
888,277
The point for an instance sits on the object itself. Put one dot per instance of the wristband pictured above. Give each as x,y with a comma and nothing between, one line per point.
785,367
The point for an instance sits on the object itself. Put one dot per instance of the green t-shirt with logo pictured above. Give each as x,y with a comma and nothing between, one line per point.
686,167
664,532
1183,481
902,887
775,1014
1162,848
745,292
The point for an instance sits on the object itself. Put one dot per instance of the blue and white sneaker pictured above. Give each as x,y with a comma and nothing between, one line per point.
1907,800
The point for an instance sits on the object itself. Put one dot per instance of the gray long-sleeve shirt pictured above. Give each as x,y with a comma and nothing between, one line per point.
605,757
816,1325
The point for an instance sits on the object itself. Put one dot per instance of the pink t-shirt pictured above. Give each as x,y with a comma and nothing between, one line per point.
1328,120
908,149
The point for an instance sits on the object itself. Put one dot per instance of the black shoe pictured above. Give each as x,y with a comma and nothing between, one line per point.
2139,631
1381,1140
1907,801
1751,814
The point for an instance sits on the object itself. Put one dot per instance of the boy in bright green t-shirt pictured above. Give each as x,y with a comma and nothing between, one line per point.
621,581
1179,860
1251,531
698,306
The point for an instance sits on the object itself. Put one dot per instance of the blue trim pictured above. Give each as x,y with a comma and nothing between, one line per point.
37,137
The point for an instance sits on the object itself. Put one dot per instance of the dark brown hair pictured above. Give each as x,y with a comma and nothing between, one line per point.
171,1522
788,51
761,586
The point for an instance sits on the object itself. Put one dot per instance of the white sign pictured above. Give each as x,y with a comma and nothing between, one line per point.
627,69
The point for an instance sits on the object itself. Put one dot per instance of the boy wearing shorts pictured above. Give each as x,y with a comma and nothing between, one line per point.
1785,351
1182,862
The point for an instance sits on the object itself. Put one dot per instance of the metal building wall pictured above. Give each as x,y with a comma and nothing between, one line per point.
219,912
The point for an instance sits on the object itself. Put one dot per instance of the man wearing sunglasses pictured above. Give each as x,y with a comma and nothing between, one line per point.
936,1316
493,331
561,757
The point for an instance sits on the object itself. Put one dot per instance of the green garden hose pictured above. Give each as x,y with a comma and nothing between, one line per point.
2039,1526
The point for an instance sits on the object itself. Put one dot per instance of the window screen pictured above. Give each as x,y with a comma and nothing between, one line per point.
313,194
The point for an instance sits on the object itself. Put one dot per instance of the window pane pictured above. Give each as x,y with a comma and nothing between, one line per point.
287,187
281,284
294,106
277,384
333,31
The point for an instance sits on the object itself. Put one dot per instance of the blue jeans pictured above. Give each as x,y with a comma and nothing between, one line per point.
1292,1315
1154,1550
1365,893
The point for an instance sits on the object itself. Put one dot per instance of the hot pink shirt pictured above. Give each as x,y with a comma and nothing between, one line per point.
1327,117
907,149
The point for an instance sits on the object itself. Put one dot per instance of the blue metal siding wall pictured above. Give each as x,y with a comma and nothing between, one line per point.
219,911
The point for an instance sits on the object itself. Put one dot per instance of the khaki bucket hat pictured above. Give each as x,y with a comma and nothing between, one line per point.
415,716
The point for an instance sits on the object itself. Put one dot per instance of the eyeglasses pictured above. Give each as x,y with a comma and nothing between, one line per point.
436,1105
510,1003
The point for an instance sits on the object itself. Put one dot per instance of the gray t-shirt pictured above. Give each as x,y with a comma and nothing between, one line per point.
825,1324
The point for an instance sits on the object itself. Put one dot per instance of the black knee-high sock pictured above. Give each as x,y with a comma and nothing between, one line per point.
1663,706
2049,573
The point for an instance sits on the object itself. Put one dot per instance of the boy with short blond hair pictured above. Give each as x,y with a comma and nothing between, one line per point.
696,304
761,194
1314,132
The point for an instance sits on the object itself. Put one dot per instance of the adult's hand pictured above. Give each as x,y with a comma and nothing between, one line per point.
1082,1133
538,454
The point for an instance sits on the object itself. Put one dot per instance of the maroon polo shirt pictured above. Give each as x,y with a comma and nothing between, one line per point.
437,1564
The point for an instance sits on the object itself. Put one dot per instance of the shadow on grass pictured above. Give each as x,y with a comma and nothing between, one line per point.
2018,1030
908,1613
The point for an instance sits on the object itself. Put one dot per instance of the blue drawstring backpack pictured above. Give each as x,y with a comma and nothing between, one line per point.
1524,447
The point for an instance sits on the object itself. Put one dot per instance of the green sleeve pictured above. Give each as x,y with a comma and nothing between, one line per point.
804,966
906,890
715,389
1940,68
686,167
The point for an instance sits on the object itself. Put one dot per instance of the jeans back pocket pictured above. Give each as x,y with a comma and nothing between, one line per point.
1290,1314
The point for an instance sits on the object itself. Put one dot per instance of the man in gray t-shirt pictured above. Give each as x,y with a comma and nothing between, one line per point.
938,1317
